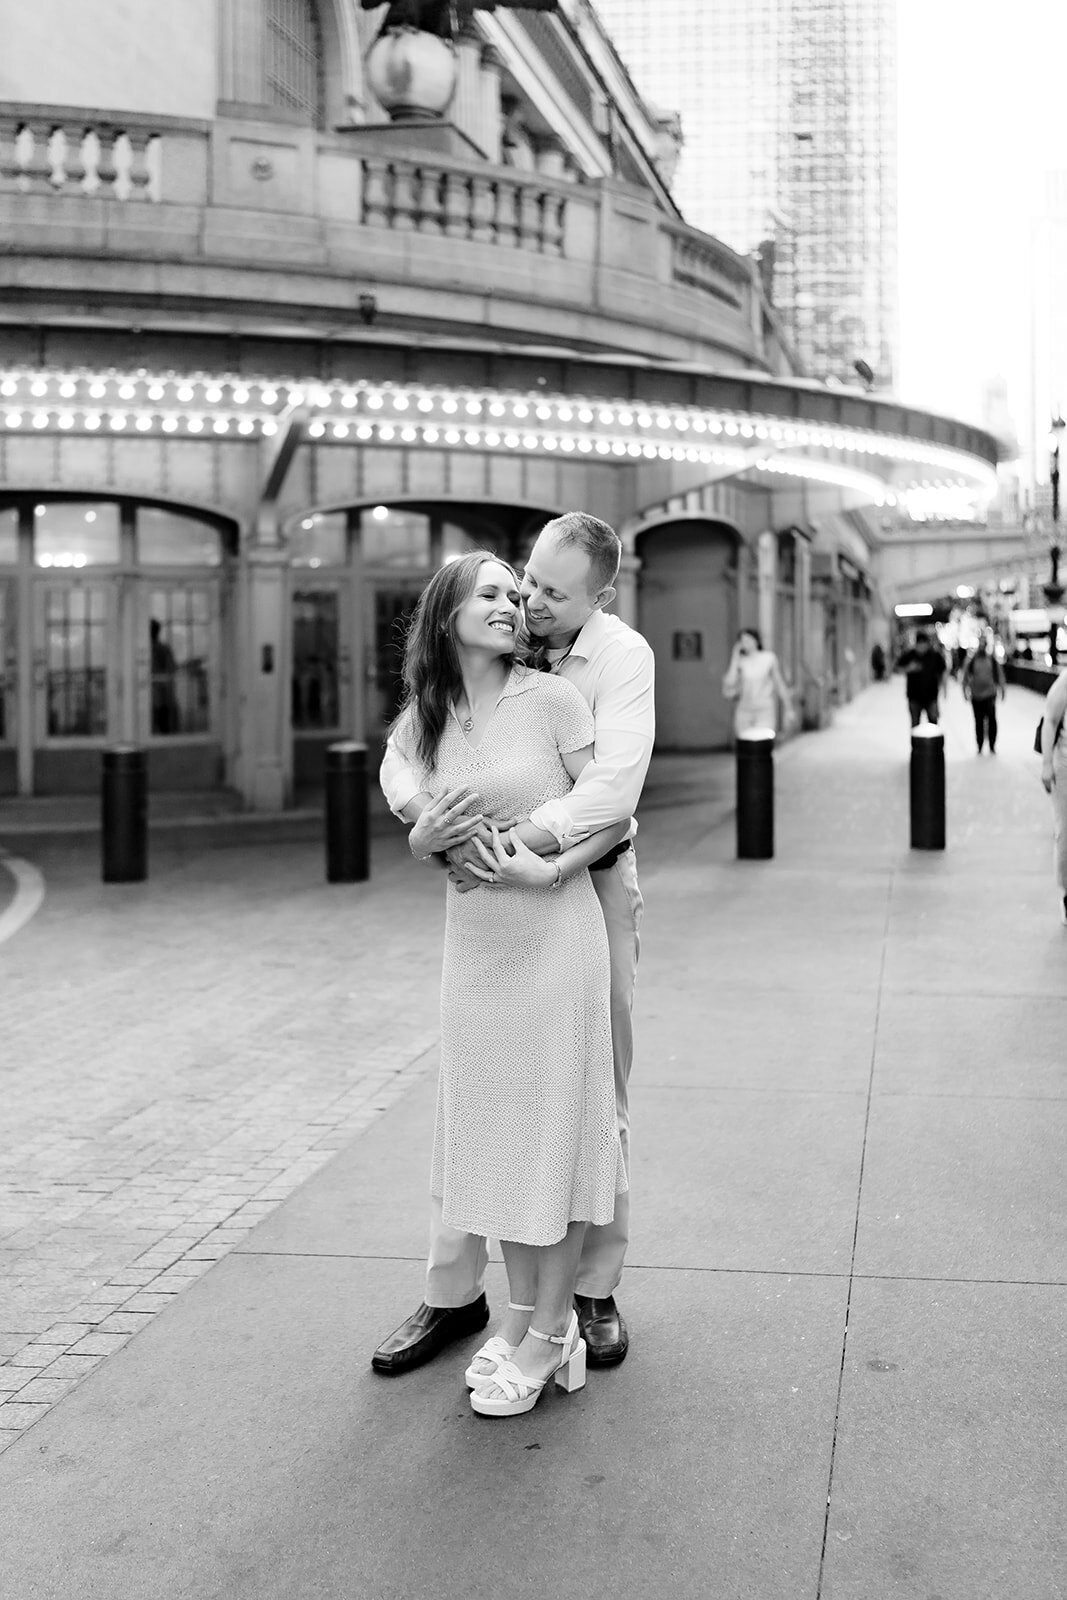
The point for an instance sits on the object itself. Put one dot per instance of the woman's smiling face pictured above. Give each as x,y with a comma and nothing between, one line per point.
489,618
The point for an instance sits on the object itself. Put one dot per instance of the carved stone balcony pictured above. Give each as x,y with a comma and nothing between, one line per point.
270,219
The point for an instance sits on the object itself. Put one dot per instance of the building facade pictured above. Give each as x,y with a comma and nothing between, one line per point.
788,112
270,353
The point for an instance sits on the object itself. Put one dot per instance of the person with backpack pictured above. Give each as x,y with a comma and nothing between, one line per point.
982,682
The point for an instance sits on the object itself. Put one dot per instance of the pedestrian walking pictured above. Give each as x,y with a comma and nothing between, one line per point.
1054,778
754,679
982,682
924,676
568,581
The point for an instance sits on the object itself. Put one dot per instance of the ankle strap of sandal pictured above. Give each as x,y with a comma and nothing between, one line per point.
513,1307
551,1338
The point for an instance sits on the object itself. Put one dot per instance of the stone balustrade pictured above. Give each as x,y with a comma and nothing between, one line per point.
704,264
39,155
488,208
212,194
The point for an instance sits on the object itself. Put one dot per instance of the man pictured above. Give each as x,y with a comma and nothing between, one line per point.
924,671
569,579
982,681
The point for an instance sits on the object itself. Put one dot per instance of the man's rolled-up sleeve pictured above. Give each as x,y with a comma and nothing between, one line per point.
401,781
609,788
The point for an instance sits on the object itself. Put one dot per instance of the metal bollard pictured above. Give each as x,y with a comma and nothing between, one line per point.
755,794
124,814
927,788
347,813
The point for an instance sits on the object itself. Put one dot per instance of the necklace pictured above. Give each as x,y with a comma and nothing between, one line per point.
467,723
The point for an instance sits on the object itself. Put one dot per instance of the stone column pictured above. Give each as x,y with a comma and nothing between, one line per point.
767,581
467,109
25,624
809,650
492,124
266,736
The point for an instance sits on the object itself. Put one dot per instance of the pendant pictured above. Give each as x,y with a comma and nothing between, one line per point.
467,724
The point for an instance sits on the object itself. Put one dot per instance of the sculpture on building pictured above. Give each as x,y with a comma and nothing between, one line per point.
441,17
411,66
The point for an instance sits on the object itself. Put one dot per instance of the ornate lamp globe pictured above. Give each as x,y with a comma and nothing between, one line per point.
412,73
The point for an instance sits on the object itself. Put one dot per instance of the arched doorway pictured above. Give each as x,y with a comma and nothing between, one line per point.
688,609
114,625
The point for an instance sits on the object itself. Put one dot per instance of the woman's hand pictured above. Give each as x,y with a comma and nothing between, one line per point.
511,862
445,823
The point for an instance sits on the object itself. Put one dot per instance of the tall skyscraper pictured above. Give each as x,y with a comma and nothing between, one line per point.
1047,400
789,119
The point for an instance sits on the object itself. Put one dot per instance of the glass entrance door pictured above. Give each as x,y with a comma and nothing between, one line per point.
76,678
176,652
321,693
393,608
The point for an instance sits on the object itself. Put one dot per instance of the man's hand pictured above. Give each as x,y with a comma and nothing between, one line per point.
464,856
1048,776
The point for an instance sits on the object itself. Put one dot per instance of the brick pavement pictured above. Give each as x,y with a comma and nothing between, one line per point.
178,1057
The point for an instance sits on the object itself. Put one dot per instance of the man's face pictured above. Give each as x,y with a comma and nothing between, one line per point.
555,591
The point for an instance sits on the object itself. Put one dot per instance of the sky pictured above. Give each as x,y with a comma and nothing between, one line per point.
983,113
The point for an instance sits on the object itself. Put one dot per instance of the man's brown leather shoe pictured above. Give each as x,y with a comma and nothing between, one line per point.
602,1328
426,1332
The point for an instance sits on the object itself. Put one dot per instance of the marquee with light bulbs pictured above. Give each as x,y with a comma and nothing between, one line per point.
883,469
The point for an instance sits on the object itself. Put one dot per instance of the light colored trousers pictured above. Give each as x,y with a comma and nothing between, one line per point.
456,1266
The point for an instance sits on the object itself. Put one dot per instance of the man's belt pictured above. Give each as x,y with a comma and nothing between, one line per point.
612,856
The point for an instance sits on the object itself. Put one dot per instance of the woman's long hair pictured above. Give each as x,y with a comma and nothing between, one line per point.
432,676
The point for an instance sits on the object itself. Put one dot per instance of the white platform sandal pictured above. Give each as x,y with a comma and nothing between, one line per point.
495,1351
518,1393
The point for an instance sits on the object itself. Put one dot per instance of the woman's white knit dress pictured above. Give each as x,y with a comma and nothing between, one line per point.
526,1138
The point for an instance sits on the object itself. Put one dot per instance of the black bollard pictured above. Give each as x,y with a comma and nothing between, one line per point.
124,814
927,788
347,814
755,795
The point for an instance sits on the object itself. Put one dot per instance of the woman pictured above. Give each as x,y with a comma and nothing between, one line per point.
754,679
1054,778
526,1147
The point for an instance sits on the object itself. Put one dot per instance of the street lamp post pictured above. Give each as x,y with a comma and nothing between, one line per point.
1054,588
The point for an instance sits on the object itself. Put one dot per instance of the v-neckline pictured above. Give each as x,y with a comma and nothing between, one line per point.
489,719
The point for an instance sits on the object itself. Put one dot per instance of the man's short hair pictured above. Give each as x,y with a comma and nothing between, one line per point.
601,544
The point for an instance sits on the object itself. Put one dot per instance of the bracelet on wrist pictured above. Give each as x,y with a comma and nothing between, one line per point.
558,879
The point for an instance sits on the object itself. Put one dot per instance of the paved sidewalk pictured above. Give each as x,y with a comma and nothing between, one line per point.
846,1283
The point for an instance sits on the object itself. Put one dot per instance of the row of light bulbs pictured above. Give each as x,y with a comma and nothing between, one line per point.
427,433
141,422
503,410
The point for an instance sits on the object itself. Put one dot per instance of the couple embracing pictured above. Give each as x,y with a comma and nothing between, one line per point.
519,759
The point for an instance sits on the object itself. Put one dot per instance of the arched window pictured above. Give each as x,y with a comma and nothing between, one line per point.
272,58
